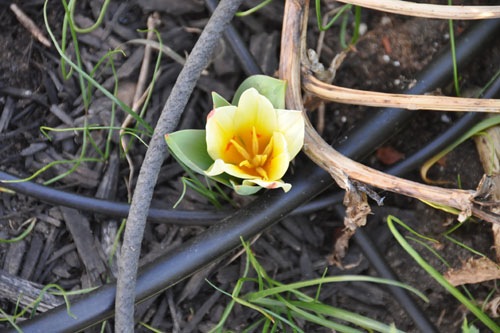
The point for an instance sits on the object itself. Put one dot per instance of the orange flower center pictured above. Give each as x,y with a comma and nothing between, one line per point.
247,153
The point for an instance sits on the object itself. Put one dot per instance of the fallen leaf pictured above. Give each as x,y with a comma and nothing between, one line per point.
496,240
389,155
473,271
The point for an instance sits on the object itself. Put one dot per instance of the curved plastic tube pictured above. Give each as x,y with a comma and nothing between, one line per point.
109,208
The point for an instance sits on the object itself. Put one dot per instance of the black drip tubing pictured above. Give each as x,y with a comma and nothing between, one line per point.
106,207
263,212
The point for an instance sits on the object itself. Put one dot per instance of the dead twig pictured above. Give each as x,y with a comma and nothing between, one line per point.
30,25
428,10
411,102
488,148
153,22
26,293
342,169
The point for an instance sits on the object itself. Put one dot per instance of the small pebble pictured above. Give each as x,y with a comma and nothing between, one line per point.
386,58
362,29
445,119
385,20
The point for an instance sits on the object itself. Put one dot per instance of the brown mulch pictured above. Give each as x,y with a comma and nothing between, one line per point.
71,248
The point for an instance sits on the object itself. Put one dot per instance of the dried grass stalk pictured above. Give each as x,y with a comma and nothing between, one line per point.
428,10
343,95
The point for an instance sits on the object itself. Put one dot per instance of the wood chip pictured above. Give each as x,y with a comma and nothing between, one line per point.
25,292
287,238
273,253
196,281
31,259
7,112
57,111
33,148
79,228
202,311
30,25
14,257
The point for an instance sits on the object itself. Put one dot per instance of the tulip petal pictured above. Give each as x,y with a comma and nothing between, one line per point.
291,124
279,161
220,166
254,110
219,130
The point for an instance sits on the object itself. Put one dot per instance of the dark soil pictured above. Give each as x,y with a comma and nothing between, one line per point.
386,58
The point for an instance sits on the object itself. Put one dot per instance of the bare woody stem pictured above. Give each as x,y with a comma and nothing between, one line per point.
342,169
338,94
429,10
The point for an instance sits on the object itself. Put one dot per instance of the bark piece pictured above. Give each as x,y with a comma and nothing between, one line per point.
14,257
31,259
79,228
17,289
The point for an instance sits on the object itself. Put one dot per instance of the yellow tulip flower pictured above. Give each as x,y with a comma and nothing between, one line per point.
254,141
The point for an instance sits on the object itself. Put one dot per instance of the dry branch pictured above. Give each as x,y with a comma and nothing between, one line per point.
428,10
411,102
30,25
342,169
488,148
139,97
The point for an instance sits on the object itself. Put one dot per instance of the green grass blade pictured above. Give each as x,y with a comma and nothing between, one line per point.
343,278
11,320
91,80
22,235
319,18
438,277
344,315
253,9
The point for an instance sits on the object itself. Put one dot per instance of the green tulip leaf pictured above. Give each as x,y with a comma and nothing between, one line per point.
219,101
189,147
273,89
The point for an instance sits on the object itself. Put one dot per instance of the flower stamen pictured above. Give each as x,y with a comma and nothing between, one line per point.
252,159
243,152
262,172
255,141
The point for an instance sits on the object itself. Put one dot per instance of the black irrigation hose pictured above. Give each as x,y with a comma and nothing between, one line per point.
267,209
106,207
245,58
